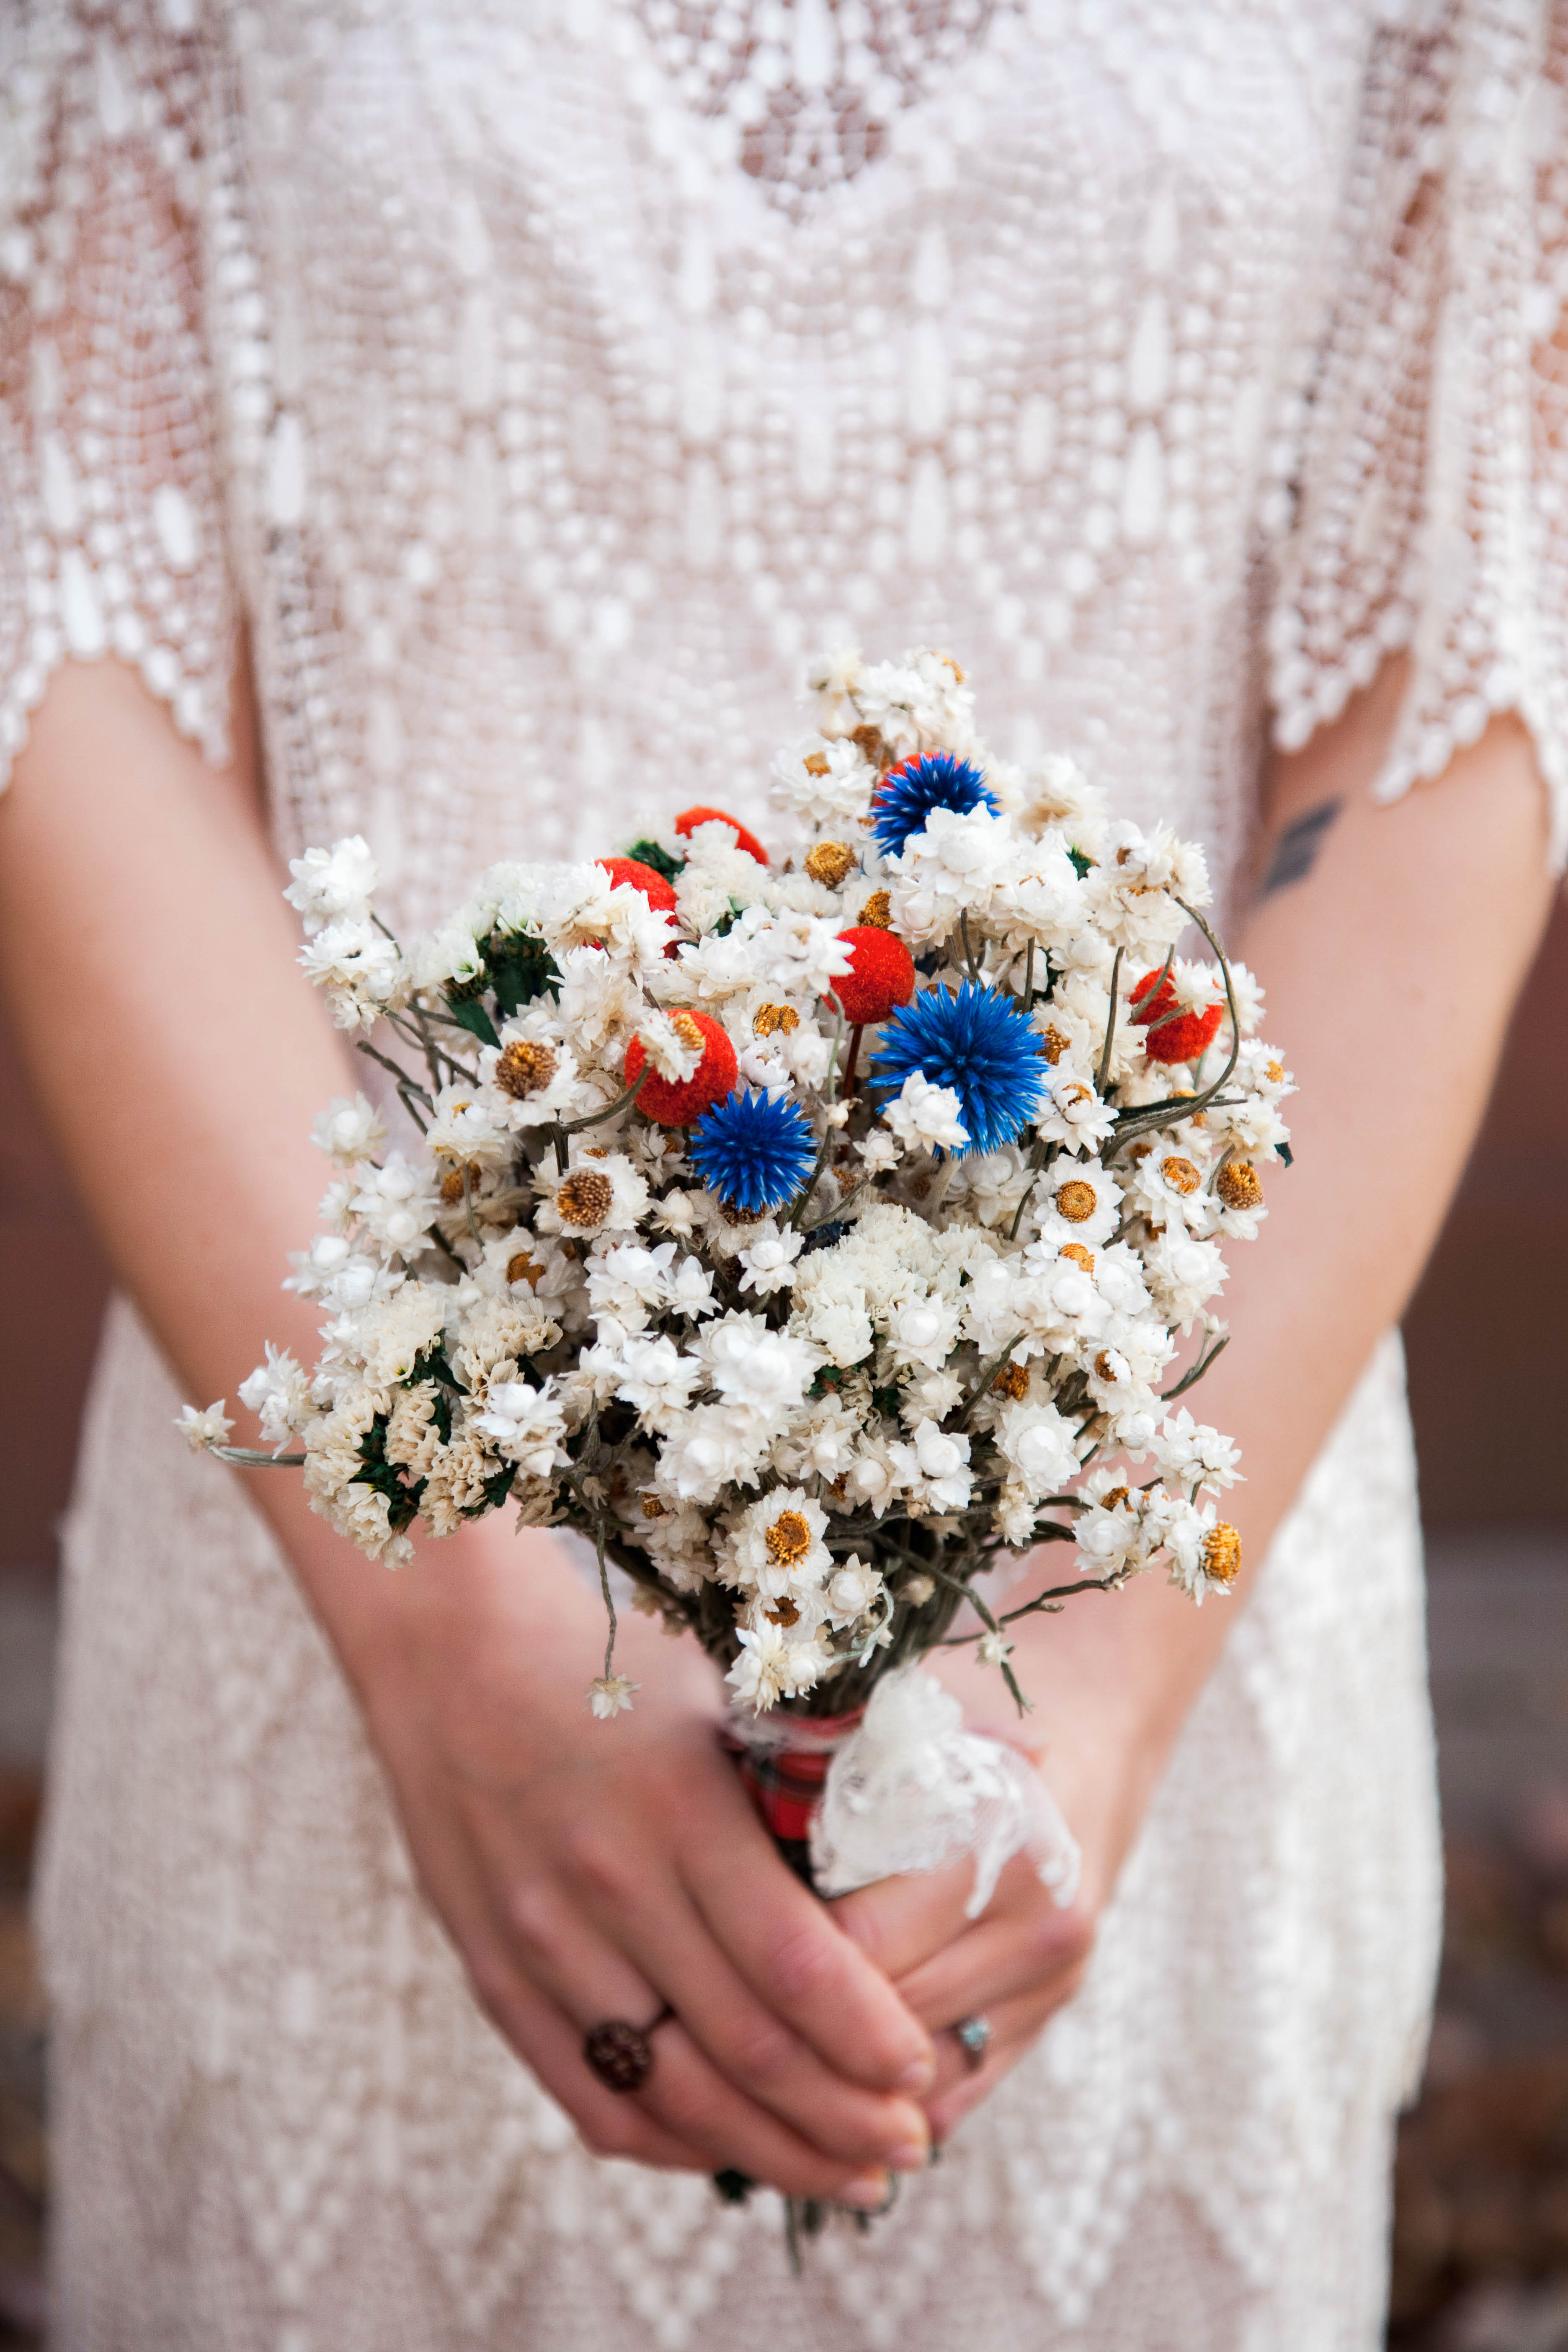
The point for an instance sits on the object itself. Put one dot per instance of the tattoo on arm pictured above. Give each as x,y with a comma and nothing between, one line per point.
1295,851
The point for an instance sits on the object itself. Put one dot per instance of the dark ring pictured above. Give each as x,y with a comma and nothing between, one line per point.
621,2054
974,2035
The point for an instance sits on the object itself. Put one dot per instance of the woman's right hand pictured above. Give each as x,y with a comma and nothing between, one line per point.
589,1870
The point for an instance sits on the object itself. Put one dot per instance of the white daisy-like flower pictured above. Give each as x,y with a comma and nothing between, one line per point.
398,1202
466,1126
1071,1112
752,1365
777,1547
394,1333
610,1695
768,1259
278,1393
629,1282
769,1667
332,886
203,1430
1203,1550
360,970
924,1331
601,1192
1167,1187
943,1459
822,781
1183,1275
1041,1446
878,1151
1191,1454
525,1425
853,1590
711,1447
673,1052
350,1129
655,1378
993,1649
925,1118
1078,1200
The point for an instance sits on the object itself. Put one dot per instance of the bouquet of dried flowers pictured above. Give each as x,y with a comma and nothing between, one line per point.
808,1227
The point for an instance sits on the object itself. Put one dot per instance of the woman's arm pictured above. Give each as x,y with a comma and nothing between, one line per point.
585,1869
1393,943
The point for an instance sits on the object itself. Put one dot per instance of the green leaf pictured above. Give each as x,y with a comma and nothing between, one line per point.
521,968
1080,864
648,853
470,1014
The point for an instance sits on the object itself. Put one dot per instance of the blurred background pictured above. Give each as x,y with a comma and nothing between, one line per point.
1482,2224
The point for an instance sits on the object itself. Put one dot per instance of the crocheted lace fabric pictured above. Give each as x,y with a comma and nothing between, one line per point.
536,383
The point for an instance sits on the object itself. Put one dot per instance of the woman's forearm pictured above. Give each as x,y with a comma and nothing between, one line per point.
1392,964
148,962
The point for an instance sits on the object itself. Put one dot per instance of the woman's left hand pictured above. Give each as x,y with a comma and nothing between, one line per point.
1015,1967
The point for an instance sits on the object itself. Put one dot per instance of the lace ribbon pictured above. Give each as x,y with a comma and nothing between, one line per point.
903,1786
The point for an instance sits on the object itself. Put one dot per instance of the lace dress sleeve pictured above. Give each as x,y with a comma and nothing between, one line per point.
111,529
1432,489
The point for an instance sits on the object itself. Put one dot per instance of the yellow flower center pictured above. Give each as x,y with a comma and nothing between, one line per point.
1012,1380
1180,1174
1076,1200
1054,1044
686,1029
1222,1554
585,1198
524,1067
1079,1255
652,1508
768,1018
829,862
878,911
520,1267
788,1539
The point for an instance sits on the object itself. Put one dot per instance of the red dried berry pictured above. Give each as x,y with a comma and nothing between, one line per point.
1182,1039
676,1102
654,888
881,974
690,819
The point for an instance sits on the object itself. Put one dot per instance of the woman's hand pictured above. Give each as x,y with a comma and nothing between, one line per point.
593,1870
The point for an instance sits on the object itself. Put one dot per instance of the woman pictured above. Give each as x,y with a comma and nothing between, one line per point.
453,423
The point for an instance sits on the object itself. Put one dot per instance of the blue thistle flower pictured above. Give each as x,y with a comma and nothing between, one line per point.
908,794
980,1044
753,1150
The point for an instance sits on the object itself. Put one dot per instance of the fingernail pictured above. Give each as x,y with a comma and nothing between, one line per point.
869,2194
914,2156
919,2077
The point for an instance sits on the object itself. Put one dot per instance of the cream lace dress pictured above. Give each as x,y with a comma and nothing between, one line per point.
537,379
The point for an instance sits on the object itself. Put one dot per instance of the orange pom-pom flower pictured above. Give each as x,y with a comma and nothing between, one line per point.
676,1102
1181,1039
881,975
654,888
690,819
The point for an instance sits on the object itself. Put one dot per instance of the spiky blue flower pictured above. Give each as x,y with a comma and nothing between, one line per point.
908,794
753,1150
978,1043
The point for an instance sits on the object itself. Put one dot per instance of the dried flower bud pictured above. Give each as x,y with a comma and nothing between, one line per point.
1239,1185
